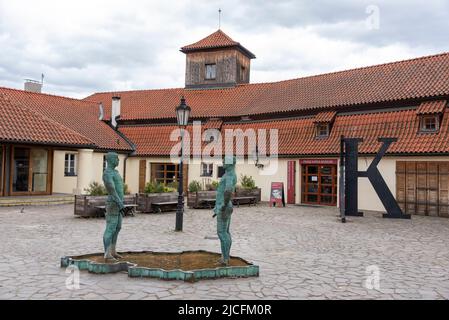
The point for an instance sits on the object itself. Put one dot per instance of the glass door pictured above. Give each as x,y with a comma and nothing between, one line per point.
39,170
29,171
21,170
319,184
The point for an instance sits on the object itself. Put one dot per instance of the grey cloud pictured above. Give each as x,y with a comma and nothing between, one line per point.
138,47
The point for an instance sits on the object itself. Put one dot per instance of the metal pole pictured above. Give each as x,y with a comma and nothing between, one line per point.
342,180
180,207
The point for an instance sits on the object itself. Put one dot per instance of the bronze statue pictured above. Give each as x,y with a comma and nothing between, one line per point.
114,206
224,208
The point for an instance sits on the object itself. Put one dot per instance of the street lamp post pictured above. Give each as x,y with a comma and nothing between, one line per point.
182,116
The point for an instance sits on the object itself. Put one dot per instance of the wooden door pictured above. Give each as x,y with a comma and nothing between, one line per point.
142,175
319,184
422,187
291,182
185,178
30,171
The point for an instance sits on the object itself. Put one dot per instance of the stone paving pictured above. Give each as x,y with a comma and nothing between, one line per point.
303,253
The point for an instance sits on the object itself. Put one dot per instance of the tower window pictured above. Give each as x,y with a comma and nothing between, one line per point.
211,71
242,73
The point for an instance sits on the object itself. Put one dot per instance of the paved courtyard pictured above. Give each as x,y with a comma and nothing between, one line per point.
303,253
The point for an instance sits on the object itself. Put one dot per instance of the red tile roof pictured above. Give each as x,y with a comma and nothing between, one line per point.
78,115
325,116
212,124
297,136
19,124
407,80
218,39
431,107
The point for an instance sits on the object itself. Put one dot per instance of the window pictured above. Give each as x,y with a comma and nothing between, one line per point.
429,123
211,70
322,130
220,171
70,164
242,73
164,173
207,169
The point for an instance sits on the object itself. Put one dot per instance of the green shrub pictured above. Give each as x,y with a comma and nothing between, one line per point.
156,187
247,182
96,189
173,185
194,186
212,186
126,189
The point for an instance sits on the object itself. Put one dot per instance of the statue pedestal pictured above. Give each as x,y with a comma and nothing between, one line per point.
187,265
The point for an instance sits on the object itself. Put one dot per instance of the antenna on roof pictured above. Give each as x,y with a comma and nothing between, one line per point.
219,18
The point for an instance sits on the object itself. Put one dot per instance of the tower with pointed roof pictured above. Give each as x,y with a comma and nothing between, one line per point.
216,61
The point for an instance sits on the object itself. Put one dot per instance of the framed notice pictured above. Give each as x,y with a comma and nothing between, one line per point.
277,196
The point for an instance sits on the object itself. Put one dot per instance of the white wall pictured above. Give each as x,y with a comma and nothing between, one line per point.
367,197
61,183
70,185
279,174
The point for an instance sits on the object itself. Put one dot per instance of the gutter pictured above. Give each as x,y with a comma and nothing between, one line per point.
132,153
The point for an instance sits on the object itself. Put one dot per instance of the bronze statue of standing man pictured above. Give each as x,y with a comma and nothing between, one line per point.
114,206
224,208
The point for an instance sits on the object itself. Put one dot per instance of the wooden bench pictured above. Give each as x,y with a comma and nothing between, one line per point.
244,200
95,206
130,209
158,207
210,203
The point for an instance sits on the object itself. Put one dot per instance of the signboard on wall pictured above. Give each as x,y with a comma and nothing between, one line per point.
318,161
277,194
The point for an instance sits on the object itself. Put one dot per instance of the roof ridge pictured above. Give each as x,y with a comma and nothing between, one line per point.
130,91
219,31
43,116
43,94
361,68
282,81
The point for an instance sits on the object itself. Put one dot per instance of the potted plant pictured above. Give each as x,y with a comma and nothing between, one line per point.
248,188
156,192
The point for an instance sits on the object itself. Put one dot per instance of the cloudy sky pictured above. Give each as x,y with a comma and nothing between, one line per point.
87,46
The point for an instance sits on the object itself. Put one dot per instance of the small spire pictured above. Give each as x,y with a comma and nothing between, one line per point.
219,18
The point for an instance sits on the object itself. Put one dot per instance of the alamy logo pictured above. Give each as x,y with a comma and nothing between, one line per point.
372,22
372,280
257,145
73,280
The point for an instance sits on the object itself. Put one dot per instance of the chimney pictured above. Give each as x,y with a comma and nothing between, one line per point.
115,111
33,86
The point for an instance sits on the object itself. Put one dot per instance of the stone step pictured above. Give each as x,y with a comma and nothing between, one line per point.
36,201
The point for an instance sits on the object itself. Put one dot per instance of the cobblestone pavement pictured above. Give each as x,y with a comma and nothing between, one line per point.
303,253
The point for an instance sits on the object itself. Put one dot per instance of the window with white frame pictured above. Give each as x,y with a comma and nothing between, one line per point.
430,123
207,169
70,164
322,130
